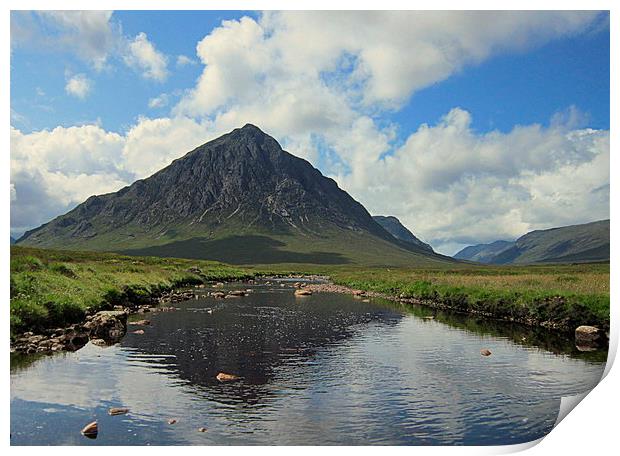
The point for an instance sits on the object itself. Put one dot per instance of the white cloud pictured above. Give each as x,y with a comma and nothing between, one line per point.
51,171
368,58
183,60
141,54
159,101
91,35
452,186
152,144
78,86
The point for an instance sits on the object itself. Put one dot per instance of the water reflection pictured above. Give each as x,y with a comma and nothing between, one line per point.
322,369
252,338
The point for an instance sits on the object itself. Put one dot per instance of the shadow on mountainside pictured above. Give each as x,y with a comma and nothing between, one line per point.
249,249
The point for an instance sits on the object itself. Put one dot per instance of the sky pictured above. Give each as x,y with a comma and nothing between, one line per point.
467,126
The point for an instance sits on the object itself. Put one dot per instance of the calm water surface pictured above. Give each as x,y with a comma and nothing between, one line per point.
323,369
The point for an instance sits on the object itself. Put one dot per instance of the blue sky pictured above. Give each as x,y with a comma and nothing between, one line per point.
348,91
509,89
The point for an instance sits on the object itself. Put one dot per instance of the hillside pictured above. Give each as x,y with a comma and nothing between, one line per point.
569,244
483,253
240,199
399,231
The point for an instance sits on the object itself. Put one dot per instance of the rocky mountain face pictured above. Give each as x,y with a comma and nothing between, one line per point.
568,244
399,231
239,191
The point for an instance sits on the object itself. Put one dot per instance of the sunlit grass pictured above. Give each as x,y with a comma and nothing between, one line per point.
53,288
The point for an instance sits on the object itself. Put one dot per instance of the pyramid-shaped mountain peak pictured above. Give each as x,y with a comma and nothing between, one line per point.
241,185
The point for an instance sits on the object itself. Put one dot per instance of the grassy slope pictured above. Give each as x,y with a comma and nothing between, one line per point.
235,244
53,288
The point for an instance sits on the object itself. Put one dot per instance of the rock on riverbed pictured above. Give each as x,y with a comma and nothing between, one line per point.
109,325
104,328
589,336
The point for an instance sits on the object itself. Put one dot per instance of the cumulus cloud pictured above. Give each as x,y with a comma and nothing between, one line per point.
78,86
454,187
375,58
51,171
92,36
141,54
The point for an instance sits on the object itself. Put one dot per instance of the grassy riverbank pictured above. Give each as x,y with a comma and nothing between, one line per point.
563,296
54,288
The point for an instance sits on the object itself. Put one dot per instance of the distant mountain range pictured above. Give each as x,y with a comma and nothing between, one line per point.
12,240
396,229
240,199
483,253
568,244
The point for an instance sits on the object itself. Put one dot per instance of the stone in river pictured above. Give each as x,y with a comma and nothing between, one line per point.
588,335
485,352
118,411
139,323
303,292
90,430
224,377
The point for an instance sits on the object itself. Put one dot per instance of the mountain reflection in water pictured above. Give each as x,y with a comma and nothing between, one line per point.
323,369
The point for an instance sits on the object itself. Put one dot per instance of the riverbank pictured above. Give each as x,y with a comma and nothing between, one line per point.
560,297
55,289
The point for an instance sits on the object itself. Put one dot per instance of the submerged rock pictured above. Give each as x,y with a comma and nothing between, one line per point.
118,411
224,377
237,293
302,292
139,323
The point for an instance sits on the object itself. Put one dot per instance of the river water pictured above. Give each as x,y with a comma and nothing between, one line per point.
322,369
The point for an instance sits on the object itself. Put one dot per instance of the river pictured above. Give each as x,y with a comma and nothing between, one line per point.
323,369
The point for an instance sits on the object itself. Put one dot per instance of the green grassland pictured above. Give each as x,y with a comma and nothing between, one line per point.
54,287
232,243
565,296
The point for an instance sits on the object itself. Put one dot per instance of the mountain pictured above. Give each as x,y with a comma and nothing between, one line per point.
483,253
12,240
240,199
568,244
399,231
